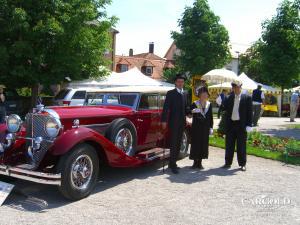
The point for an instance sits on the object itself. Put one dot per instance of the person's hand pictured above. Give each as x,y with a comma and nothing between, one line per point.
211,131
164,125
248,129
160,136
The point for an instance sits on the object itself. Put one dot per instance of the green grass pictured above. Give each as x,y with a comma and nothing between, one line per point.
220,143
294,126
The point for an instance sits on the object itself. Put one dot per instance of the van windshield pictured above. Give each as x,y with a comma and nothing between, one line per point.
62,94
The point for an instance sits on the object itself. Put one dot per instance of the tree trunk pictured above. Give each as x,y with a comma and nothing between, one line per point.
281,103
34,95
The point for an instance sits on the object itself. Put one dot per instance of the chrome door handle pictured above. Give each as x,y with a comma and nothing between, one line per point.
140,120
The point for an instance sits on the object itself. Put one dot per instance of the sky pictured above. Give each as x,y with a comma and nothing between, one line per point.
144,21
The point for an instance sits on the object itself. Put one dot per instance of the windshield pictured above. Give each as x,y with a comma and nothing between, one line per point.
125,99
62,94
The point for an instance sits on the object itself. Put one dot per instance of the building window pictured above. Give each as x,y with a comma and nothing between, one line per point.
122,68
147,70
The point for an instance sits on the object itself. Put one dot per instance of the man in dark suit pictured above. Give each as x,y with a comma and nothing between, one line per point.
221,107
174,117
238,108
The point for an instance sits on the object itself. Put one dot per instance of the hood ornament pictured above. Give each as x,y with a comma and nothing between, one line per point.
39,107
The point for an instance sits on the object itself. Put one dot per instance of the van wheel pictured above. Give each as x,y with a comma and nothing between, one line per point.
122,133
79,170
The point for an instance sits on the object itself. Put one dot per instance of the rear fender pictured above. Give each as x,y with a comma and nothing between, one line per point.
69,139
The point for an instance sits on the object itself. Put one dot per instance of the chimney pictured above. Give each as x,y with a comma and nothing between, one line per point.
131,52
151,47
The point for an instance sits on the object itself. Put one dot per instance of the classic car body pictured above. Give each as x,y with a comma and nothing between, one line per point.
65,146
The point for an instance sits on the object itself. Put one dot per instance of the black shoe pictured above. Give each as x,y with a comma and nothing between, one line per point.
200,167
243,168
195,164
226,166
174,170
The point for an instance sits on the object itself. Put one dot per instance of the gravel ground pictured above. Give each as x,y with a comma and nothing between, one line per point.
267,193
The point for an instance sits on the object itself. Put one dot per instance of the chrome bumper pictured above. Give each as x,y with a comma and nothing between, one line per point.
34,176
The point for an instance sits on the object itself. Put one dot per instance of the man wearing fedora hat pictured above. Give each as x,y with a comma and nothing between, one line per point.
2,104
238,108
174,117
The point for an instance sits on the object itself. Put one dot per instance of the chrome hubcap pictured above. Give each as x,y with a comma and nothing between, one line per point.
184,143
81,172
124,140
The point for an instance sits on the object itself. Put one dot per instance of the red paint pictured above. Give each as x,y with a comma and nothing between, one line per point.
115,156
146,122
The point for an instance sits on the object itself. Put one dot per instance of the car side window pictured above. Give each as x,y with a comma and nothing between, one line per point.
162,99
79,95
127,99
148,102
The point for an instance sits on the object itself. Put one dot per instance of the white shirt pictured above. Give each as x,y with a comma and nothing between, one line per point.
262,97
235,112
180,91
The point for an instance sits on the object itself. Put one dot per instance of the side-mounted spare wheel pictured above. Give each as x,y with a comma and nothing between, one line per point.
122,133
79,170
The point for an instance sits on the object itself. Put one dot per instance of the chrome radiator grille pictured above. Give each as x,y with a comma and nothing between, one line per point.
35,127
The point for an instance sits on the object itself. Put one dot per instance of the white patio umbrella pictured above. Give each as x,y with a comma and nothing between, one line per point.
220,76
296,88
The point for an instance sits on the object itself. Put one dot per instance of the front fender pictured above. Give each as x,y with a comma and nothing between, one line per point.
69,139
3,131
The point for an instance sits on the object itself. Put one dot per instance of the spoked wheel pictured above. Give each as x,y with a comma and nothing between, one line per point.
79,170
124,140
122,133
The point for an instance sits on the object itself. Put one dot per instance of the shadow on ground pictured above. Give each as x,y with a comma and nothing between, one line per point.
37,198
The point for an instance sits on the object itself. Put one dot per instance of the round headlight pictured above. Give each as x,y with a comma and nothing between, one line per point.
13,123
53,127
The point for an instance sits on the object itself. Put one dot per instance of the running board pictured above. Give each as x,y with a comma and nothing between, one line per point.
153,154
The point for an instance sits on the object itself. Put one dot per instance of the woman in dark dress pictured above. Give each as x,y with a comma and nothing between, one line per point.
202,127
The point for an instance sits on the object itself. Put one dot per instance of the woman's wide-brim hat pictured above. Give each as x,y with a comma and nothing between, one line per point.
2,86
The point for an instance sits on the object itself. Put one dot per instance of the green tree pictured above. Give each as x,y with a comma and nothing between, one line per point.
169,76
42,42
250,62
280,51
202,40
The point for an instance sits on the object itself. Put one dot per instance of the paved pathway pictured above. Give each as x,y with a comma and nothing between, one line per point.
267,193
274,126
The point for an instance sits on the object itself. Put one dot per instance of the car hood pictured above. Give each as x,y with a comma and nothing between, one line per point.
72,112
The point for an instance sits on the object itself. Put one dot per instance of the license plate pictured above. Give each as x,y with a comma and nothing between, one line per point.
5,190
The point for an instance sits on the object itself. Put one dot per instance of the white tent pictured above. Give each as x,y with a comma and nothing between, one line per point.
248,84
133,77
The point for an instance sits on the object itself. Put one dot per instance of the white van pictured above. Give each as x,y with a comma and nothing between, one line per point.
72,96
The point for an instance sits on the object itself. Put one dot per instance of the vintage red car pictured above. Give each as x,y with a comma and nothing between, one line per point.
65,146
